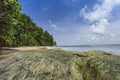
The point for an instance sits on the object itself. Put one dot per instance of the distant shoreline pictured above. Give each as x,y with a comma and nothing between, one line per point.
89,45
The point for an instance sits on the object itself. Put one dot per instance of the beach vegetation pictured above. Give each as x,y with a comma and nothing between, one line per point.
18,29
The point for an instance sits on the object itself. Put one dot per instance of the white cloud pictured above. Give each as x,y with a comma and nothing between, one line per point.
99,18
82,34
100,27
100,11
52,25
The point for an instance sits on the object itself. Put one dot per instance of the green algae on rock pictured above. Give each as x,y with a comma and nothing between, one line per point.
60,65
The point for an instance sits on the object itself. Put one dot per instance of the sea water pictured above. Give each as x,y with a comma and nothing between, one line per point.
115,49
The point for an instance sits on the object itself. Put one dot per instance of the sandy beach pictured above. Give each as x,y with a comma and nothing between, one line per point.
26,48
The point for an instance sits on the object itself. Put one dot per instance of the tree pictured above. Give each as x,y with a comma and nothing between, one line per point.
17,29
9,9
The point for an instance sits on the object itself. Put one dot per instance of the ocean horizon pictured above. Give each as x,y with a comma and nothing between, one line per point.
112,48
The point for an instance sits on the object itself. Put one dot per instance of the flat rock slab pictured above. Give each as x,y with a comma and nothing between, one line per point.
59,65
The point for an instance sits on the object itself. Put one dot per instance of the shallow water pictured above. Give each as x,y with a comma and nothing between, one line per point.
108,48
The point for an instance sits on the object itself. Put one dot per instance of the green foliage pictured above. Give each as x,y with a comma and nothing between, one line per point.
17,29
9,9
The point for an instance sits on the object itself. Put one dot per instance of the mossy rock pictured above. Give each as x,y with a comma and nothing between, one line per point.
60,65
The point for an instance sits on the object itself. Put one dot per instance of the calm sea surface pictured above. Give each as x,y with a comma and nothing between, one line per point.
108,48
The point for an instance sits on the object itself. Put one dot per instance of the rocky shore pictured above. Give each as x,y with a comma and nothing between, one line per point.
57,64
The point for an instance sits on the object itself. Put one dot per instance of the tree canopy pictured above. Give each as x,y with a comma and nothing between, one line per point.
17,29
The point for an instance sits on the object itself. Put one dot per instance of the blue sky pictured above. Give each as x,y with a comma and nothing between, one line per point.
77,22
